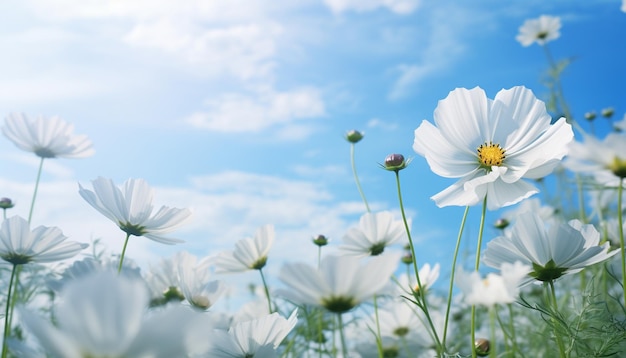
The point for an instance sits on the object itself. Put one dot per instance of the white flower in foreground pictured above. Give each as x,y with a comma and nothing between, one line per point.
494,289
104,315
603,159
491,145
46,137
195,282
552,252
19,245
91,266
541,30
249,253
130,207
375,232
255,338
341,283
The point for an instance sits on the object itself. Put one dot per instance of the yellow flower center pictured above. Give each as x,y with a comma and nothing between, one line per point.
490,154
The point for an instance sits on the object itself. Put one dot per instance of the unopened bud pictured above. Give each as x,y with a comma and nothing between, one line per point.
354,136
6,203
320,240
501,223
482,347
608,112
590,116
407,258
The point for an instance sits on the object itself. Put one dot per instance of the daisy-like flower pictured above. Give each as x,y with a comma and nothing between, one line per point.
19,245
46,137
491,145
163,282
249,253
341,283
256,338
603,159
428,276
494,289
554,251
195,282
375,232
541,30
130,207
104,315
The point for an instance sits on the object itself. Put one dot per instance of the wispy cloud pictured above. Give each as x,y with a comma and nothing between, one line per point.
396,6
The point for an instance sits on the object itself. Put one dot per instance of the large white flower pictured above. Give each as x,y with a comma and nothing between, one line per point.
130,207
490,145
541,30
255,338
249,253
46,137
19,245
104,315
493,289
341,283
375,232
605,160
552,251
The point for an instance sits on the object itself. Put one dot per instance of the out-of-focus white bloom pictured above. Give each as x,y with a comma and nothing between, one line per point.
624,5
621,125
602,159
375,232
546,212
196,283
162,280
494,289
552,252
130,207
104,315
491,145
19,245
46,137
541,30
340,284
256,338
90,266
428,276
249,253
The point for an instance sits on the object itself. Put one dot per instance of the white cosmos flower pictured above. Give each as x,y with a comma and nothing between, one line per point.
428,276
491,145
130,207
104,315
19,245
552,252
541,30
162,280
605,160
46,137
493,289
196,283
255,338
341,283
375,232
249,253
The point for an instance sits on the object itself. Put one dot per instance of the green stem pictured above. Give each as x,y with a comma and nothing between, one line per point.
119,268
620,224
356,177
512,330
421,292
492,327
32,202
476,267
267,291
451,286
7,310
558,337
379,341
344,348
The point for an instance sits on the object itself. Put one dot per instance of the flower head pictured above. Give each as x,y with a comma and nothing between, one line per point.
600,158
195,282
494,289
354,136
19,245
541,30
130,207
341,283
490,145
395,162
249,253
552,252
375,232
46,137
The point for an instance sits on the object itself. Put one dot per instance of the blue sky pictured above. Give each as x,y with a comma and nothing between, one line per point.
237,108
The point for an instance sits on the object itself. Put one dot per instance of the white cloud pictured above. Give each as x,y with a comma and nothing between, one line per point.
259,111
396,6
377,123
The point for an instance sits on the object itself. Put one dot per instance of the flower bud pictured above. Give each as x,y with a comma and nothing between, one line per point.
501,223
354,136
320,240
590,116
482,347
618,167
6,203
407,258
607,112
395,162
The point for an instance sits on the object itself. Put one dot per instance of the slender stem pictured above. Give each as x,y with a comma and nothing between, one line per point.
344,347
559,340
379,341
319,256
421,292
267,291
32,202
492,327
7,310
356,177
512,329
620,224
476,267
451,286
119,268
